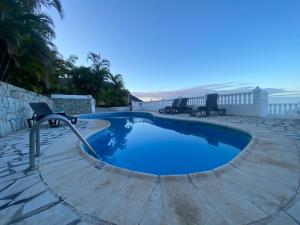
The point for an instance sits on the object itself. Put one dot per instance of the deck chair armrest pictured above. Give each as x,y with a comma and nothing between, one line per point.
61,113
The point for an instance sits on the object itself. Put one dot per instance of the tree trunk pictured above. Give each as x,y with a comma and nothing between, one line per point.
2,61
5,70
68,85
8,77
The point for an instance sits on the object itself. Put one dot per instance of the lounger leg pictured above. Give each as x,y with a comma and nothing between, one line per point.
74,121
53,123
29,123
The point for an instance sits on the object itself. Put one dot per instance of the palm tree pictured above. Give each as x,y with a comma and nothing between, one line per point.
36,5
115,93
100,69
117,81
10,35
69,65
26,35
82,78
28,57
98,63
34,50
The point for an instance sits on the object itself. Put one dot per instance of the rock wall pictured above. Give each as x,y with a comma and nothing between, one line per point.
15,109
74,106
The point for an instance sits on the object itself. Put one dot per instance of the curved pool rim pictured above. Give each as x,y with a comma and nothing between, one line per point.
137,174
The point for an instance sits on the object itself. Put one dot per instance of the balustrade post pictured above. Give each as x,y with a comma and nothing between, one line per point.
260,102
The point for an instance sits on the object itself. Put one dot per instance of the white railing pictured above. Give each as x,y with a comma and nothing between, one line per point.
226,99
152,105
284,109
252,103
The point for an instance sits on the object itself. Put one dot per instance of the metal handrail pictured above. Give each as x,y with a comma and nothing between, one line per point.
34,137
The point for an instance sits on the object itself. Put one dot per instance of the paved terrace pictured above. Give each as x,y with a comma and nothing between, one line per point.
260,186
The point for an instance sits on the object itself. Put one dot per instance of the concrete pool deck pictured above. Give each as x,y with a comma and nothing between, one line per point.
260,186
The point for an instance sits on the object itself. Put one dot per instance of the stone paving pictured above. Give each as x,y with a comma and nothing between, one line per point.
24,197
260,186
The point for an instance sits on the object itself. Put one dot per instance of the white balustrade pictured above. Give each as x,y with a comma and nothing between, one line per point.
284,109
252,103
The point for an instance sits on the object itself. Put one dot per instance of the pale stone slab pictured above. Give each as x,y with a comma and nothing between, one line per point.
64,170
63,163
274,142
4,202
269,171
19,186
64,167
275,192
56,147
235,205
64,183
12,177
183,203
8,158
7,214
57,162
30,192
68,153
281,163
294,211
283,219
285,160
57,152
92,195
5,184
20,167
84,223
4,173
20,162
286,152
154,213
128,204
3,168
38,203
57,214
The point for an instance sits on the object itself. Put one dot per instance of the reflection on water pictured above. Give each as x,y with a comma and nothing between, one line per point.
145,143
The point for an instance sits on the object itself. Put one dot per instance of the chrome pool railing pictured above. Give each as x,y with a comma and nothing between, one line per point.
34,137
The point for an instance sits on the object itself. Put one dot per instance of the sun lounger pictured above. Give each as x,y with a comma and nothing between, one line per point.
42,109
183,107
168,109
211,105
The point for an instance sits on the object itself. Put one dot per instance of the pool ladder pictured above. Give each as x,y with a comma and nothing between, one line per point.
34,137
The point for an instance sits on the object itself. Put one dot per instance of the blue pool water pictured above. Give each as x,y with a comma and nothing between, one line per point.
144,143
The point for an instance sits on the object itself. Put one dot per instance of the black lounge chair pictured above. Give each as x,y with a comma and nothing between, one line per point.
41,109
211,105
183,107
167,109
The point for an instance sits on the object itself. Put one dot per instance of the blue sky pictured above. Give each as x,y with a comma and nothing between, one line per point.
164,45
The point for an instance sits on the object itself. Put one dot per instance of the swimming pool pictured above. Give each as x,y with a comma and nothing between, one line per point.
162,146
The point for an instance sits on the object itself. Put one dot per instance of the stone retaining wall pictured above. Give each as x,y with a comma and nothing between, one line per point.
15,109
73,106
